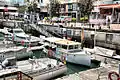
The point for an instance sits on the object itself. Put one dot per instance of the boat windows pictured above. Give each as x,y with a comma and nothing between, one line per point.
69,32
74,51
58,45
64,46
76,46
22,37
71,47
11,31
47,47
109,38
18,31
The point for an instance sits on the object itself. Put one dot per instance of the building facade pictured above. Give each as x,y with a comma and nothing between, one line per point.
105,10
70,8
44,8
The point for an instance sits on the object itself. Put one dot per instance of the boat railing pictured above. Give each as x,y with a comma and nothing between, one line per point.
41,29
18,75
46,70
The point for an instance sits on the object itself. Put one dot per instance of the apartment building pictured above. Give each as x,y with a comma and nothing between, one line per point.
105,10
44,8
70,8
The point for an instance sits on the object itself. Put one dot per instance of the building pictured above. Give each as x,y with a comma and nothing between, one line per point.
70,8
44,8
105,10
14,2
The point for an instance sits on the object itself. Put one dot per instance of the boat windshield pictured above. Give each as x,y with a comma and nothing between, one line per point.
64,46
22,37
18,31
74,51
73,47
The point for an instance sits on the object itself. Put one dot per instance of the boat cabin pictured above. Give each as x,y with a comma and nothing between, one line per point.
62,43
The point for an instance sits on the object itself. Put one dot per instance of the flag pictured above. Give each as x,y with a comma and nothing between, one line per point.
63,58
82,35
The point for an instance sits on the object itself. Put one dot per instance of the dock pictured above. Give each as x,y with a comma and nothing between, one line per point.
108,64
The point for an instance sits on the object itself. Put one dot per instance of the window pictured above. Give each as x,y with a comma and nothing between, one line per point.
64,46
69,32
76,46
71,47
19,31
41,1
74,7
109,38
58,45
69,6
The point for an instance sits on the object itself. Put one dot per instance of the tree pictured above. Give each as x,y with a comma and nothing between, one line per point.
21,9
54,8
32,7
86,7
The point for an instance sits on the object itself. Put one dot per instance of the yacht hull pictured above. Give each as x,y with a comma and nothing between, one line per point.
76,58
82,59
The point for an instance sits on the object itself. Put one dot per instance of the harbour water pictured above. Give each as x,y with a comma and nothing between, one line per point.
72,68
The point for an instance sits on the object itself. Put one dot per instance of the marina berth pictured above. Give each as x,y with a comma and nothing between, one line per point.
39,69
67,50
17,51
18,36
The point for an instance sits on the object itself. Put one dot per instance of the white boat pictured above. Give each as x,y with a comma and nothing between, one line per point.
17,51
69,50
39,69
20,37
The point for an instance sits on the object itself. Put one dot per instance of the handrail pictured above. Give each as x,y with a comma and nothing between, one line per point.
17,72
41,30
41,72
27,75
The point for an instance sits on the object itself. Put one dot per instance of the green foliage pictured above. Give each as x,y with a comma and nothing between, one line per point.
45,18
21,9
19,19
85,18
73,19
55,7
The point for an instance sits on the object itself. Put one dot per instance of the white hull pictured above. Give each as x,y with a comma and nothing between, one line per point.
18,52
82,59
27,43
51,74
38,69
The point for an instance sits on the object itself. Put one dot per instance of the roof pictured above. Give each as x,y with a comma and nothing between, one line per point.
9,8
106,6
66,42
52,39
61,41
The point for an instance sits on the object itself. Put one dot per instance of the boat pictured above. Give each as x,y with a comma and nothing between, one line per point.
17,51
39,69
20,37
67,50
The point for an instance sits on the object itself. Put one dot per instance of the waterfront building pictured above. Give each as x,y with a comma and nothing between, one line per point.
44,8
70,8
105,10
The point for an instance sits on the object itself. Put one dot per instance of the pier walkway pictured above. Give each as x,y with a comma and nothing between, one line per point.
41,29
107,65
44,30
